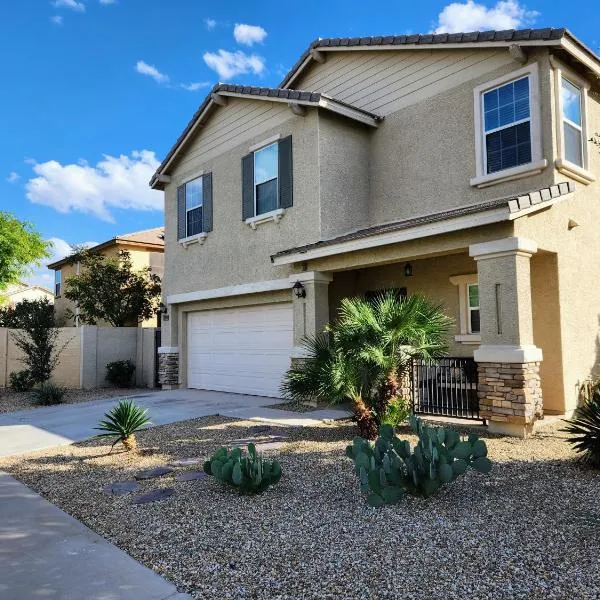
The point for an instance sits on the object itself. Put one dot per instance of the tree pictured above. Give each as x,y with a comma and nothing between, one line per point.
110,290
20,246
363,355
35,335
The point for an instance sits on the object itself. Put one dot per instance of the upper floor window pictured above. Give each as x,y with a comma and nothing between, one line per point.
267,186
507,125
572,122
508,143
193,207
57,282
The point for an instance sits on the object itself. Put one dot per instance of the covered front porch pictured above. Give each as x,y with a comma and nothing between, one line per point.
505,358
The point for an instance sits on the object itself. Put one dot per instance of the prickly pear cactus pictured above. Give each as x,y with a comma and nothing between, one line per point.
249,473
389,468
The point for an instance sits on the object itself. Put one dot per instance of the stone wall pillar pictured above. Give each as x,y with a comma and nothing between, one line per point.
509,390
168,367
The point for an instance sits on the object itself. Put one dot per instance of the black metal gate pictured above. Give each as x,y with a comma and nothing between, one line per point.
446,387
156,347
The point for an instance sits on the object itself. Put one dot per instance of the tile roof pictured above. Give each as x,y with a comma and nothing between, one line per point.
514,204
303,96
473,37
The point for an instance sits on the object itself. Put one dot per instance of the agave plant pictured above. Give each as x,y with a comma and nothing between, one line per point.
585,429
363,355
123,421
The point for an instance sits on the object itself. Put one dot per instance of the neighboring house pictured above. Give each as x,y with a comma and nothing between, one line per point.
146,249
443,164
21,291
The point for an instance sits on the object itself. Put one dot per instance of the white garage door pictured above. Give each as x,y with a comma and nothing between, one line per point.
243,350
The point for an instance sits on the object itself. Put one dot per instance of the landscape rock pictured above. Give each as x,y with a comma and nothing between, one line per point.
154,496
153,473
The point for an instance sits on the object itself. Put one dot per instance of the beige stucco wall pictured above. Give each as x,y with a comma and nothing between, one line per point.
140,259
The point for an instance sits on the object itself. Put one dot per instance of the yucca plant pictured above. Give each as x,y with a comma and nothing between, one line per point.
123,421
363,355
585,429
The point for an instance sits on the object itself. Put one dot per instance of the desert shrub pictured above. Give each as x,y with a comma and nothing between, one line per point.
123,421
396,412
584,428
120,373
48,393
248,473
21,381
389,468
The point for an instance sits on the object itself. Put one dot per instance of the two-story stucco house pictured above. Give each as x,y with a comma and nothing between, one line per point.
146,249
462,166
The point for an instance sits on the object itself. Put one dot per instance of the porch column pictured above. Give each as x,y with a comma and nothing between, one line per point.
510,393
311,313
168,352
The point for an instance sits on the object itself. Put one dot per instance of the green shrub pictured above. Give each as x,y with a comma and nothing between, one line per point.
389,468
396,412
248,473
120,373
123,421
21,381
585,429
48,393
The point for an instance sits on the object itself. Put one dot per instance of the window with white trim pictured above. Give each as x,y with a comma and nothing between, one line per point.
473,324
193,207
572,122
57,282
507,125
266,179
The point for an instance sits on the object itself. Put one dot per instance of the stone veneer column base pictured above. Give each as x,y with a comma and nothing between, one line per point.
168,370
510,396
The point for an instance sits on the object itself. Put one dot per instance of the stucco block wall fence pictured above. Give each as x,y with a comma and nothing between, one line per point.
88,350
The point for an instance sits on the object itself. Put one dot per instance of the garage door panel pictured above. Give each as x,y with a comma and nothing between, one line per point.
245,350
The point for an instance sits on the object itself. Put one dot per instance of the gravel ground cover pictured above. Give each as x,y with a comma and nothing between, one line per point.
11,401
530,529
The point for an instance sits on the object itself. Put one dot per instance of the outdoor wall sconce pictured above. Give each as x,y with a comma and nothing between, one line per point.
299,290
162,309
408,270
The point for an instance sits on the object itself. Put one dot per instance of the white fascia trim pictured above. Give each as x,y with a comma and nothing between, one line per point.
504,247
232,290
495,215
168,350
508,354
533,168
346,111
264,143
581,55
199,238
273,215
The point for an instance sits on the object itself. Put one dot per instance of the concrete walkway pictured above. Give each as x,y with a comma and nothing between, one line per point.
45,553
51,426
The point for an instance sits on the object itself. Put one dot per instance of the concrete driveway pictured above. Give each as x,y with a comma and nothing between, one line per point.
51,426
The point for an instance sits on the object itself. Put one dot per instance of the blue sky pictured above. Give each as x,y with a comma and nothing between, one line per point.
96,91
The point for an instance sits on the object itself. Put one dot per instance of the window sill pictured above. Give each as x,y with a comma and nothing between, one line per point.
574,171
273,215
199,238
468,338
519,172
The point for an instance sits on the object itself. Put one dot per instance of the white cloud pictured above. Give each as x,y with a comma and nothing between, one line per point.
146,69
13,177
40,274
229,64
210,24
195,86
56,19
108,1
470,16
248,34
72,4
115,182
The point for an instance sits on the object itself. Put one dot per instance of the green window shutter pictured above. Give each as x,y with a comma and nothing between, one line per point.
286,180
248,186
207,203
181,223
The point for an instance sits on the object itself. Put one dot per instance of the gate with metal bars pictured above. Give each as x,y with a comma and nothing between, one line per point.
446,387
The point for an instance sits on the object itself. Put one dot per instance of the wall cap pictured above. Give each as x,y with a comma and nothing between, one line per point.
503,247
168,350
308,276
503,353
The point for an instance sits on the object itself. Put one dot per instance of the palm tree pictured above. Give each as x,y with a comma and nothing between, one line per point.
363,355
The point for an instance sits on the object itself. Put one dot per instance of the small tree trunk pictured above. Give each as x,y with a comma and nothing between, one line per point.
388,390
130,442
367,426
